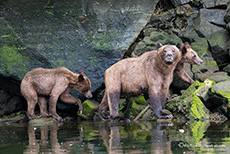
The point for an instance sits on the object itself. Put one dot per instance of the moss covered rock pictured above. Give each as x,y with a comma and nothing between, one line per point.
189,104
209,66
42,121
222,89
149,42
89,109
216,76
135,106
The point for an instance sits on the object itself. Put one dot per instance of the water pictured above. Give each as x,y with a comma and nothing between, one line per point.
106,137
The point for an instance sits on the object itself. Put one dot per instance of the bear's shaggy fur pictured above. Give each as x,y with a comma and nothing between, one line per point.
55,83
188,56
152,71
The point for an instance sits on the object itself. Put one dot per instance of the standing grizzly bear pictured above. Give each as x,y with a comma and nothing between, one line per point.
188,56
152,71
41,82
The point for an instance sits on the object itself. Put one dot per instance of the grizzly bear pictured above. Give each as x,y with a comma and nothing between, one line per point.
188,56
152,71
55,83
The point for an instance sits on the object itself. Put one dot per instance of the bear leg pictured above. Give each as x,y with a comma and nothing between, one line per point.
157,109
103,107
52,108
32,100
43,106
113,101
68,98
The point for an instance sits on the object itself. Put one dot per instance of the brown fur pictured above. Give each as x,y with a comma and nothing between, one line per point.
152,71
189,56
40,82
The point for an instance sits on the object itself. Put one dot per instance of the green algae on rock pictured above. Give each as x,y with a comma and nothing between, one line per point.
89,109
190,102
222,89
135,105
42,121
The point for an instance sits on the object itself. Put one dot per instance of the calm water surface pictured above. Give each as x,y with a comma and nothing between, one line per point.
106,137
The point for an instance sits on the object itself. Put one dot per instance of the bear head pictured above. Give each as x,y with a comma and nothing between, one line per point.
189,55
83,85
168,54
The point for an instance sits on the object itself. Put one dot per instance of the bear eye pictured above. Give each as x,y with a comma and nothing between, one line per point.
165,51
173,51
194,56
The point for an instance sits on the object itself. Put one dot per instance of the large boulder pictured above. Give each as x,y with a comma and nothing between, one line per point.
220,44
190,104
222,89
209,21
86,35
149,42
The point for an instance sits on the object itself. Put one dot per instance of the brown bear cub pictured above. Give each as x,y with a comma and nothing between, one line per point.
55,83
189,56
152,71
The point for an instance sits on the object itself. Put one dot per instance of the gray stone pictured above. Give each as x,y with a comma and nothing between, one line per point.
207,21
177,3
209,66
227,69
222,89
217,76
148,43
215,3
220,43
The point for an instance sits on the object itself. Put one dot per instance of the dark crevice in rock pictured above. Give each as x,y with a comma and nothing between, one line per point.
219,7
10,84
133,45
218,25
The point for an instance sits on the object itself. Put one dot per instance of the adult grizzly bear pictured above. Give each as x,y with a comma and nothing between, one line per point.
152,71
188,56
40,82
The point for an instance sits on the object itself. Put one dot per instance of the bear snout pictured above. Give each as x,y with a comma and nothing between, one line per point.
201,62
89,95
169,57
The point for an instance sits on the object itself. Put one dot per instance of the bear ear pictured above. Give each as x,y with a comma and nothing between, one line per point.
186,45
81,73
81,76
158,45
179,46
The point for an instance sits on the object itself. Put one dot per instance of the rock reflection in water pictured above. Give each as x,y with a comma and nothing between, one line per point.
99,137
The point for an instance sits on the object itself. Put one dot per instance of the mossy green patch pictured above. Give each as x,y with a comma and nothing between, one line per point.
12,62
42,121
222,88
198,109
190,104
139,100
135,105
198,129
89,108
